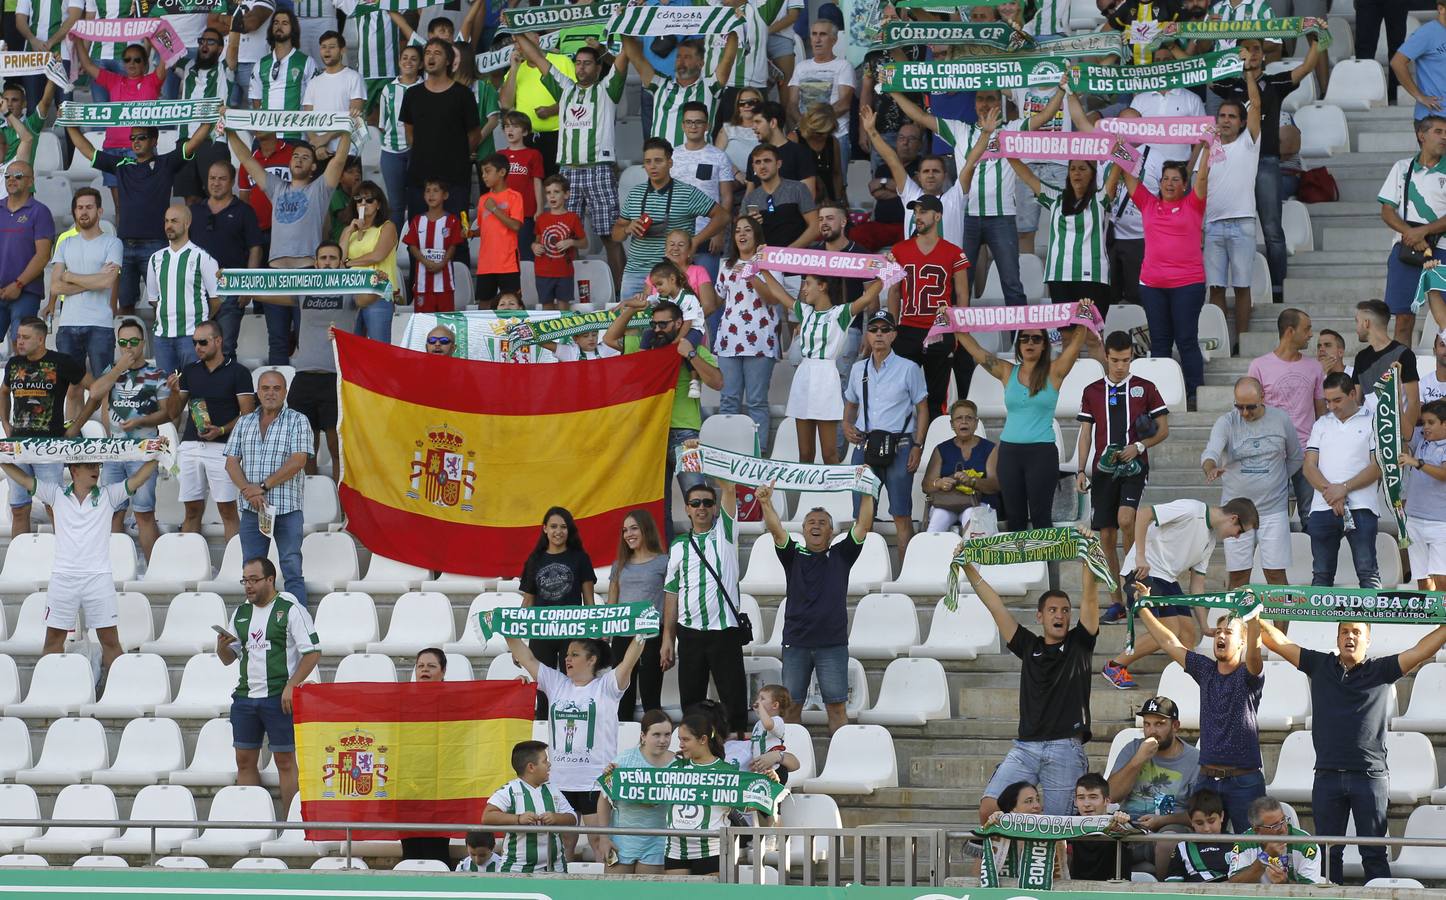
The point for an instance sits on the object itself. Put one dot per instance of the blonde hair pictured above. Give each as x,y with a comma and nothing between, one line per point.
818,119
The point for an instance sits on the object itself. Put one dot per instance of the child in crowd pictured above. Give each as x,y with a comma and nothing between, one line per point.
670,284
499,216
767,739
1094,860
481,853
1201,861
529,800
432,238
524,174
559,235
583,346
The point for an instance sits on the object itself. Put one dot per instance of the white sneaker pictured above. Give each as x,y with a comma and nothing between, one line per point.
695,389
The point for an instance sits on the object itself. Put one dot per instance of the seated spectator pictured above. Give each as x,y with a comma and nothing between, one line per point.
441,341
1286,861
1018,797
1426,497
481,853
960,476
430,667
700,747
1094,859
1152,781
514,804
1197,860
737,137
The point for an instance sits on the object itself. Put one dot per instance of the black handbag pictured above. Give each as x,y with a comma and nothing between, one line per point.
880,447
745,622
1409,256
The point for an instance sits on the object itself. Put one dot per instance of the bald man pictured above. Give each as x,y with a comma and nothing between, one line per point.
181,285
441,341
1253,451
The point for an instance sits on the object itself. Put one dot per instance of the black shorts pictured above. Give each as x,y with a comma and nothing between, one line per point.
313,394
1075,291
584,803
485,288
1108,494
708,865
190,180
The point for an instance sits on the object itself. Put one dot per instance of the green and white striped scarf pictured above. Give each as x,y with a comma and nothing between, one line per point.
557,16
1032,843
1388,446
900,33
1177,73
147,114
573,623
641,21
1036,545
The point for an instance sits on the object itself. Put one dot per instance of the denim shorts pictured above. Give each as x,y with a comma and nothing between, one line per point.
1401,283
40,472
254,718
831,664
897,479
144,499
1229,252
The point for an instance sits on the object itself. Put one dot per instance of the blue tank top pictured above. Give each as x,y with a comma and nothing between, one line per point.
1030,419
951,458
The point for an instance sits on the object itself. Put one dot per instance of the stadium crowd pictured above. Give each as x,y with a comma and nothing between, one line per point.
747,143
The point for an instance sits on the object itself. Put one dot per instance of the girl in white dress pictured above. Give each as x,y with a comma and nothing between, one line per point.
823,319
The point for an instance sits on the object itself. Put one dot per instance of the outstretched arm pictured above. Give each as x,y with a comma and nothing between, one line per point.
522,654
1424,650
624,670
1003,619
914,111
764,495
1026,175
1276,640
1163,636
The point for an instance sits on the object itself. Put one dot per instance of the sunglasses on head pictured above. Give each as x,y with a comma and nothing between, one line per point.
439,340
1031,339
128,342
702,503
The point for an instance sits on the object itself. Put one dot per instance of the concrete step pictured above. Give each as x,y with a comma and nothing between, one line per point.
1372,141
1346,290
1359,185
1358,236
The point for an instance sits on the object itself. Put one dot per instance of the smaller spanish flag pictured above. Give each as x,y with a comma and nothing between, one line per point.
411,752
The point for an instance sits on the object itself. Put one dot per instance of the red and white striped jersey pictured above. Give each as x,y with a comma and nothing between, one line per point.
432,237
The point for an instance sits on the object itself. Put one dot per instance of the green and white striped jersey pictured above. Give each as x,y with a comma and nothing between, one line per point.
701,603
271,641
1247,10
696,817
771,10
991,193
525,853
281,83
1050,17
201,84
179,283
821,334
587,117
46,17
379,44
750,66
389,119
314,9
668,100
493,864
1077,242
108,51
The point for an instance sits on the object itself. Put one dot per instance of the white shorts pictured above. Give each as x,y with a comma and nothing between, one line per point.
69,593
1272,538
203,465
1428,547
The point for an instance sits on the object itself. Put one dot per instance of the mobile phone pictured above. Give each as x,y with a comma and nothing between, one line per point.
223,632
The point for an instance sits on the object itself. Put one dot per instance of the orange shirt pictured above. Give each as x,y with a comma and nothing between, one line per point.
498,252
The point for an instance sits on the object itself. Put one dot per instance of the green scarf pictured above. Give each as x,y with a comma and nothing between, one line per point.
1032,842
744,468
689,786
1038,545
1240,603
1432,279
568,325
300,282
1388,446
947,4
1091,44
981,74
147,114
1333,604
575,623
557,16
1264,29
899,33
1177,73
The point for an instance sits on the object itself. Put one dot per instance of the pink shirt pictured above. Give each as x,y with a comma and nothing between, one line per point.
1292,387
1172,239
127,90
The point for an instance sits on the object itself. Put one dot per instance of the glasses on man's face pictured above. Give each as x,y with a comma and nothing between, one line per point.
127,342
16,176
140,138
1247,407
209,42
1273,826
439,340
662,324
702,503
698,123
253,579
880,329
1031,339
200,342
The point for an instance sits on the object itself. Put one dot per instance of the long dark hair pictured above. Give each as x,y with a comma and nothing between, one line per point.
832,285
574,540
730,256
651,540
295,28
384,209
1009,797
1072,204
703,727
1039,375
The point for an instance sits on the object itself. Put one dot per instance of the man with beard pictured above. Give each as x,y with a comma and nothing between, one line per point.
229,231
281,76
1230,688
1153,779
688,83
833,222
203,78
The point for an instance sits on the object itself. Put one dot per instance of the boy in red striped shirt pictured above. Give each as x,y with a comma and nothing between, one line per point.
431,239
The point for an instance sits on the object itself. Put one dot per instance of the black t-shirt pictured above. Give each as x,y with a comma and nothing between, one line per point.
145,192
1273,89
556,579
1091,860
816,614
1054,684
440,125
219,390
1199,862
37,392
795,163
1371,364
1350,709
227,235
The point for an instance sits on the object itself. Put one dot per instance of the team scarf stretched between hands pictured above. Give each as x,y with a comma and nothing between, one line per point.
28,451
686,786
1033,840
1037,545
574,623
743,468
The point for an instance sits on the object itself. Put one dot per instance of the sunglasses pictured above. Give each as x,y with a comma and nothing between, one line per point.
15,176
201,342
1247,407
135,60
211,41
1031,339
664,325
368,201
439,340
701,503
128,342
747,103
880,329
140,137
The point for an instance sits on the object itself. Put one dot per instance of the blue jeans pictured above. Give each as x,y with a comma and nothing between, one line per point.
745,389
831,664
172,353
845,149
282,323
1337,795
228,316
144,499
394,182
1304,494
1173,315
1002,237
709,262
134,257
171,90
99,94
19,496
1325,529
240,89
12,311
676,437
1269,198
287,532
375,321
1238,792
632,281
94,344
1052,765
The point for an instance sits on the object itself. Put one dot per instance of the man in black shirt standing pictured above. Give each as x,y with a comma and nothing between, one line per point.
228,229
1054,693
32,404
1351,699
1380,353
443,130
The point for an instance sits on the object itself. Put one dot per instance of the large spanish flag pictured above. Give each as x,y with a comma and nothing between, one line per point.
414,752
449,464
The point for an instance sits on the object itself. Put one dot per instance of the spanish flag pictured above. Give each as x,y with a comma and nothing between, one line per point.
414,752
449,464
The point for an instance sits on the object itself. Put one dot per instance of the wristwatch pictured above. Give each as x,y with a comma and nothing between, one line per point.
692,354
1139,446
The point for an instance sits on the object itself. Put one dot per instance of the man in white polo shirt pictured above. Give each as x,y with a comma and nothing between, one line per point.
81,575
1340,463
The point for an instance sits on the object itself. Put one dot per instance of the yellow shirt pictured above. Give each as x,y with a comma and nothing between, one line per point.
363,243
531,94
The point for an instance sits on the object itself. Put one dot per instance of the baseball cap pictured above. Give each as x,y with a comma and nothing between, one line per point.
882,316
928,201
1161,706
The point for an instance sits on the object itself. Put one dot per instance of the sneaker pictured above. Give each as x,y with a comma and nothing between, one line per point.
1115,615
1119,676
695,389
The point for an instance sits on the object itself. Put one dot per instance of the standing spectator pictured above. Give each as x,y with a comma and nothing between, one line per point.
687,84
231,234
702,165
32,404
136,85
378,40
432,238
784,209
1254,453
274,156
281,76
1433,382
396,152
1170,540
558,572
833,225
1153,779
43,25
523,91
637,854
746,339
27,233
639,572
826,79
700,746
370,242
1278,862
1054,693
897,410
213,393
204,78
1122,417
1413,205
815,620
891,119
735,137
554,249
313,388
1293,382
1424,48
181,286
656,207
265,457
797,163
278,652
249,32
443,129
1330,352
1077,263
499,220
1340,463
1425,493
1369,19
85,270
525,171
932,180
961,471
1380,353
430,667
1351,698
700,612
1230,205
783,43
336,88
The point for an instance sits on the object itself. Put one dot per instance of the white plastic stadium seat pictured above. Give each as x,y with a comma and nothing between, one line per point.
387,576
292,842
188,625
178,561
28,635
471,643
814,711
1295,769
319,506
799,743
1085,371
60,684
123,558
1323,130
1166,375
78,802
1285,702
599,279
346,621
914,692
287,372
748,605
452,583
805,810
18,802
925,568
423,865
1427,709
28,560
9,681
1211,325
237,803
227,580
137,623
73,749
962,634
1412,764
420,619
206,688
181,862
1299,234
259,862
860,761
1181,688
330,561
14,747
1357,84
23,860
839,504
504,668
365,667
884,626
1394,883
1121,741
730,432
99,861
987,393
1422,862
872,569
134,686
150,749
333,863
765,575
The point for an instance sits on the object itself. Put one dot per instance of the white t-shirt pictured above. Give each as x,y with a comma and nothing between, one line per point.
252,44
953,203
82,526
569,352
334,91
1173,102
1231,193
1342,450
820,82
1181,540
582,726
704,169
762,740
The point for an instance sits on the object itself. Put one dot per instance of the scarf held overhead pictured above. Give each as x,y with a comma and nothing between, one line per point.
898,33
669,786
148,114
642,21
27,451
38,62
1037,545
1177,73
741,468
835,263
952,319
289,120
1286,28
571,622
158,32
557,16
985,74
568,325
300,282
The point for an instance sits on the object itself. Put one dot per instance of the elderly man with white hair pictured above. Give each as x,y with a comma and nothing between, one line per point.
828,79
